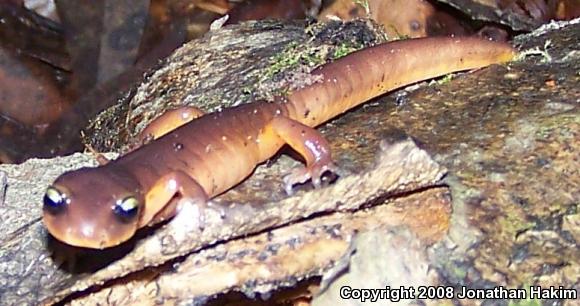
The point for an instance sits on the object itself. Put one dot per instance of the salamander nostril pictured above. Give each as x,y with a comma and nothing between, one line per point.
55,201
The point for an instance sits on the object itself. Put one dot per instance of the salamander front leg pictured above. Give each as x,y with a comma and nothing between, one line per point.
169,121
312,147
168,193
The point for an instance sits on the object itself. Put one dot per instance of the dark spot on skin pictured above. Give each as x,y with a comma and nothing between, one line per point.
245,143
303,132
306,113
383,78
415,25
353,12
177,146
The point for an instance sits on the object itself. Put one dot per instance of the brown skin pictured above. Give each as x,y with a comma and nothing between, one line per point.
104,206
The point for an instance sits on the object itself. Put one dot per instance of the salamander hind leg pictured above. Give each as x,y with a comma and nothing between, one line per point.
311,145
166,196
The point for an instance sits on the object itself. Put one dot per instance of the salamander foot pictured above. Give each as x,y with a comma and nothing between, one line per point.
303,174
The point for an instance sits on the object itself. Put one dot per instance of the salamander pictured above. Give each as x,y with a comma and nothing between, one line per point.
204,155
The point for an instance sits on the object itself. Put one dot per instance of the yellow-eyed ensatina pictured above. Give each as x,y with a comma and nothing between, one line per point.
104,206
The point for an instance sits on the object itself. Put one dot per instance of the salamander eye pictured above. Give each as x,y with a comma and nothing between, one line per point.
126,209
54,201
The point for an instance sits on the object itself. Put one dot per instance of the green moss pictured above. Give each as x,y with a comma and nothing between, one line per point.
512,223
446,79
455,269
459,272
345,49
290,58
283,92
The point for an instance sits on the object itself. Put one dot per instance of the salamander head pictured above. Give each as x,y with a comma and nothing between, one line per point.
93,207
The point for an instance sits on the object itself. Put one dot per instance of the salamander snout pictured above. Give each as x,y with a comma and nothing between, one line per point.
92,208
